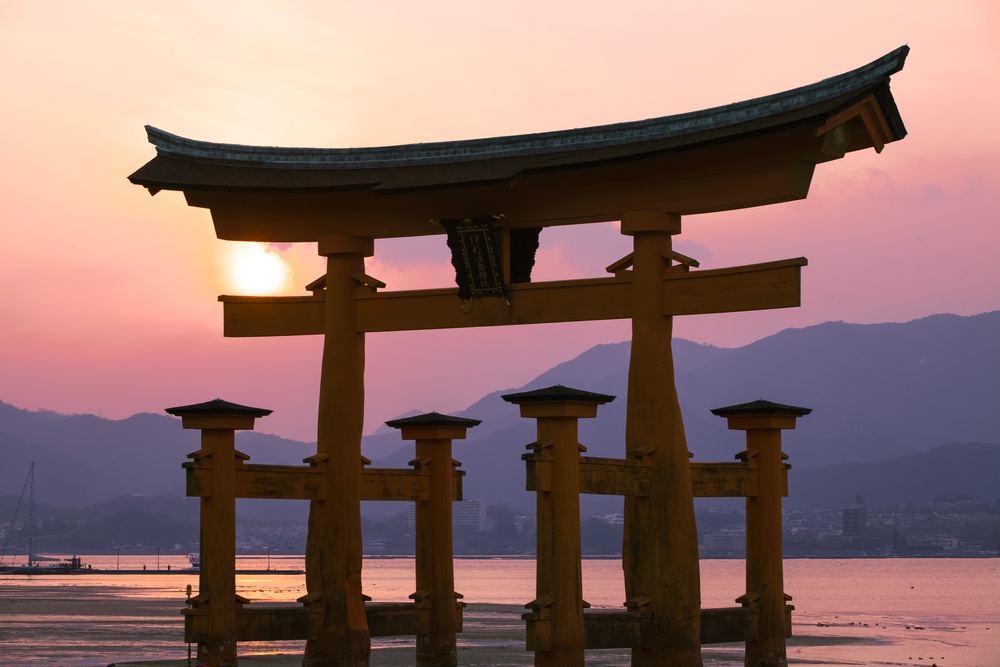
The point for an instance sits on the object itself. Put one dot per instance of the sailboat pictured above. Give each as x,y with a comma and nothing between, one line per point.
33,567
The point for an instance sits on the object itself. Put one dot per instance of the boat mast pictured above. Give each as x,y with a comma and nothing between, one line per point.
31,517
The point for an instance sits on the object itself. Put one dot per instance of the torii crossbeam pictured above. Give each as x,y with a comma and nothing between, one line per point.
742,288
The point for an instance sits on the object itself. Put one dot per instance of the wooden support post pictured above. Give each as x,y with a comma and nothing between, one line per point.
218,421
433,433
763,422
557,616
333,545
660,550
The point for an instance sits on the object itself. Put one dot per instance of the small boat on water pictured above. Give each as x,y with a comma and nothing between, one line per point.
71,565
195,560
36,564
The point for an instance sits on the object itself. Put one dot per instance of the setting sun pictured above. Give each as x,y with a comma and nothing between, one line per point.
255,268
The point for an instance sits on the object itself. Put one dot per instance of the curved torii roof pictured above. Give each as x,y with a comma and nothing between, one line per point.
750,153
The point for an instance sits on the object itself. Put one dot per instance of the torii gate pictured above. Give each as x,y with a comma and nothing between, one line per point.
647,174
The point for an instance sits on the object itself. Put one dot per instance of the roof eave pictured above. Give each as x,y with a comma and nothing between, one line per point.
629,140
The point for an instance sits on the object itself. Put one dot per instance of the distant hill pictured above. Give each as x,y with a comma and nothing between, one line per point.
968,469
83,459
878,392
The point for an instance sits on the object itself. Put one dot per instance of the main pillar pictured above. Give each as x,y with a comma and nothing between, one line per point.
333,546
557,612
218,421
660,550
763,422
433,433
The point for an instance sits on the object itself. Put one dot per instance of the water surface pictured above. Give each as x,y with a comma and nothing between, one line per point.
847,612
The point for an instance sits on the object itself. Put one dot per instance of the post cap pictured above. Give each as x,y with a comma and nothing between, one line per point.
433,426
759,407
433,419
558,393
219,407
218,414
761,414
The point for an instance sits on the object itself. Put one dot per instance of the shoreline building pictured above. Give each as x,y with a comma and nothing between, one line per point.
855,520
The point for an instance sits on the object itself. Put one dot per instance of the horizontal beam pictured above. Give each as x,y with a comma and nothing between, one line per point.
307,483
735,289
723,480
267,623
526,303
394,484
615,477
281,482
257,316
622,477
630,629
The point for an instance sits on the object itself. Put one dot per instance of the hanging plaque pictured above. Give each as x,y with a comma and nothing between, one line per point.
478,271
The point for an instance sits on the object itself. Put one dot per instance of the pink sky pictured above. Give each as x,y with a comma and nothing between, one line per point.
109,299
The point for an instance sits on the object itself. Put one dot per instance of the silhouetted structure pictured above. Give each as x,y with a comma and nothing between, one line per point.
765,600
217,617
559,627
491,198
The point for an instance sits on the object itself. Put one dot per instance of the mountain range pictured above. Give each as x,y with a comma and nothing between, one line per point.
886,399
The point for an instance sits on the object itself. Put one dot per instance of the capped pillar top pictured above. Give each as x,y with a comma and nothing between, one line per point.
345,244
433,426
557,393
761,406
558,401
637,222
218,414
761,414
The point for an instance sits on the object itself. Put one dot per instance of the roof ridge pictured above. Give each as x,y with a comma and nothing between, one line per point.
558,141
